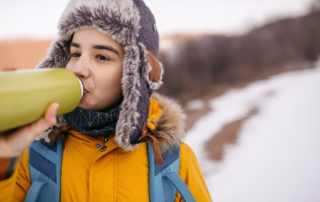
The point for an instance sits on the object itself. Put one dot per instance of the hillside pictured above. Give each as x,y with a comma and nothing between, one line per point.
215,63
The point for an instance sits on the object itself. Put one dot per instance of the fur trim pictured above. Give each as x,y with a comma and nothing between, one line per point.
128,118
147,69
58,55
50,136
170,128
119,19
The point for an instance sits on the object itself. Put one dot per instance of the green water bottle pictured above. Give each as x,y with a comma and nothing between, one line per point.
26,94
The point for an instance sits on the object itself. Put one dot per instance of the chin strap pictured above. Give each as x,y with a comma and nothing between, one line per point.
155,144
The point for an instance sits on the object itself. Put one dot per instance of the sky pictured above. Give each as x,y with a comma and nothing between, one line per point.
39,18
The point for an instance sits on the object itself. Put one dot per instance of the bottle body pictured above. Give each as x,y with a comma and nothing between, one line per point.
26,94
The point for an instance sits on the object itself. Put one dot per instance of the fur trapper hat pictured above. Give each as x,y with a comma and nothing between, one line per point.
130,23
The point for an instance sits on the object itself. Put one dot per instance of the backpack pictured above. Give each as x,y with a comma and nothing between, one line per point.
45,173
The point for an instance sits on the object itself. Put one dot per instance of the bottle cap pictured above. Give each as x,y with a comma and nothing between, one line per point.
81,87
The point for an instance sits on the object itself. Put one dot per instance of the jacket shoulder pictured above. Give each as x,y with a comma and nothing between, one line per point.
191,174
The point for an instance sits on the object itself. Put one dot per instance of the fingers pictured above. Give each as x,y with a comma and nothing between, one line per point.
14,144
51,113
42,124
47,121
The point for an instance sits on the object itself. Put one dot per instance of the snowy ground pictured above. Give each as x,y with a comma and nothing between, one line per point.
277,154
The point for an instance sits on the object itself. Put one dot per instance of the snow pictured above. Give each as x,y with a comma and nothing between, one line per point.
277,154
196,104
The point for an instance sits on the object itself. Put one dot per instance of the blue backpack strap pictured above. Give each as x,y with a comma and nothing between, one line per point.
164,179
45,172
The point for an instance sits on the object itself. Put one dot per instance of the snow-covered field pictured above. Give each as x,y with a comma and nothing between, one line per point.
277,154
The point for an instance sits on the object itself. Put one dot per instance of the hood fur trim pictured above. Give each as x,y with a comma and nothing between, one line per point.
170,128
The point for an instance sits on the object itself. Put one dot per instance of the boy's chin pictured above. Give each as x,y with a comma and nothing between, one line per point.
109,104
86,106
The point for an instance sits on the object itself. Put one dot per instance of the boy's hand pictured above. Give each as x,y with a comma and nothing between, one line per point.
13,143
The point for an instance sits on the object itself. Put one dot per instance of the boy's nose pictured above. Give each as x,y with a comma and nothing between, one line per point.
81,68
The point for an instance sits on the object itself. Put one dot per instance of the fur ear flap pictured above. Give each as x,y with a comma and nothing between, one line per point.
156,71
58,55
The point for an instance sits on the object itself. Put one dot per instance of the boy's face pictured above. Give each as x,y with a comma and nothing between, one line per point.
97,60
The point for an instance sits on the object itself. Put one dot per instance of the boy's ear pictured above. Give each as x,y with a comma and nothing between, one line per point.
156,71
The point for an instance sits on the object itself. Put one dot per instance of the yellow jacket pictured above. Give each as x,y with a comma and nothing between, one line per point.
114,174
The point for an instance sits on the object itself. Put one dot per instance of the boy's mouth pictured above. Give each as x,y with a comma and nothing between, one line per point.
85,91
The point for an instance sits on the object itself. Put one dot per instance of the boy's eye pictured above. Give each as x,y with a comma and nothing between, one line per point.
75,54
101,57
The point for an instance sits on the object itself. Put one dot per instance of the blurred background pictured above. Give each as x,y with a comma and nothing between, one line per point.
247,74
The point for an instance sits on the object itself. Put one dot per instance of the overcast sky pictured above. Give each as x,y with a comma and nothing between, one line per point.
38,18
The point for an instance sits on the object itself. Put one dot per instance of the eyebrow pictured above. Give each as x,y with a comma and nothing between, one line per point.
99,47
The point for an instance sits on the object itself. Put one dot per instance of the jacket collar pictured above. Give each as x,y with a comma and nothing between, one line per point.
165,121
